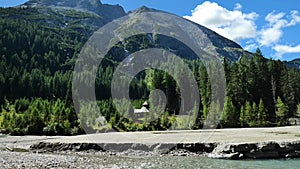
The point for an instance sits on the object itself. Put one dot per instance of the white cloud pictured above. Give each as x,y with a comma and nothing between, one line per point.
295,18
287,49
238,25
251,45
273,18
271,35
234,25
238,6
273,32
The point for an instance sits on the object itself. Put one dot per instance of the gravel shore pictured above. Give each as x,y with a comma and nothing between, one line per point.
33,160
97,150
84,160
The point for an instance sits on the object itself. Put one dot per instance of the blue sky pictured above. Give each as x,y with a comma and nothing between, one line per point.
271,25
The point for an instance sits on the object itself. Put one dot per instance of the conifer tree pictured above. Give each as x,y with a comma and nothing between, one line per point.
229,116
281,112
262,114
254,115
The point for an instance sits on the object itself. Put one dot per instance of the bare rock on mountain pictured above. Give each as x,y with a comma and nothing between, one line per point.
108,12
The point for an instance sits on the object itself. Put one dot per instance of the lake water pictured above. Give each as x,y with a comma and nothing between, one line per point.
195,162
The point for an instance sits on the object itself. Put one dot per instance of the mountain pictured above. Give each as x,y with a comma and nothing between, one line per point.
211,42
108,12
88,5
92,14
77,19
294,63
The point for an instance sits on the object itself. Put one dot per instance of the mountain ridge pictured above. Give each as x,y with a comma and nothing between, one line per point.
108,12
213,43
221,45
293,63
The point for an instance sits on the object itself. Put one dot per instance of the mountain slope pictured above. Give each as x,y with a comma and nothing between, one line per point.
86,16
294,63
108,12
211,42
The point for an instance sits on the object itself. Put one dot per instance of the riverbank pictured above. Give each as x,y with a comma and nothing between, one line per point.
250,143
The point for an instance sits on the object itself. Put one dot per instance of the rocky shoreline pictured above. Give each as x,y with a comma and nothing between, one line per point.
271,150
254,143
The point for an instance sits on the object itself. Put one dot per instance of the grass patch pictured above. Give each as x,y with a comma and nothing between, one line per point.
297,135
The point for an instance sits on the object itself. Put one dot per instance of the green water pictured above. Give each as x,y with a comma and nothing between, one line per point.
196,162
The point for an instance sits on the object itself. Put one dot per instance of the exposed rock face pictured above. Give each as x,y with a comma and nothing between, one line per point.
78,4
270,150
214,43
109,12
210,42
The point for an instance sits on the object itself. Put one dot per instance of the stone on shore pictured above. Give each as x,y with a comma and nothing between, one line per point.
253,143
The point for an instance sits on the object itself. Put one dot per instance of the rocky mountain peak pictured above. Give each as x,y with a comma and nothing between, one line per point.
108,12
143,9
89,5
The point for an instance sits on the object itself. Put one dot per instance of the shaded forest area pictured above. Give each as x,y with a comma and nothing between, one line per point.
36,85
